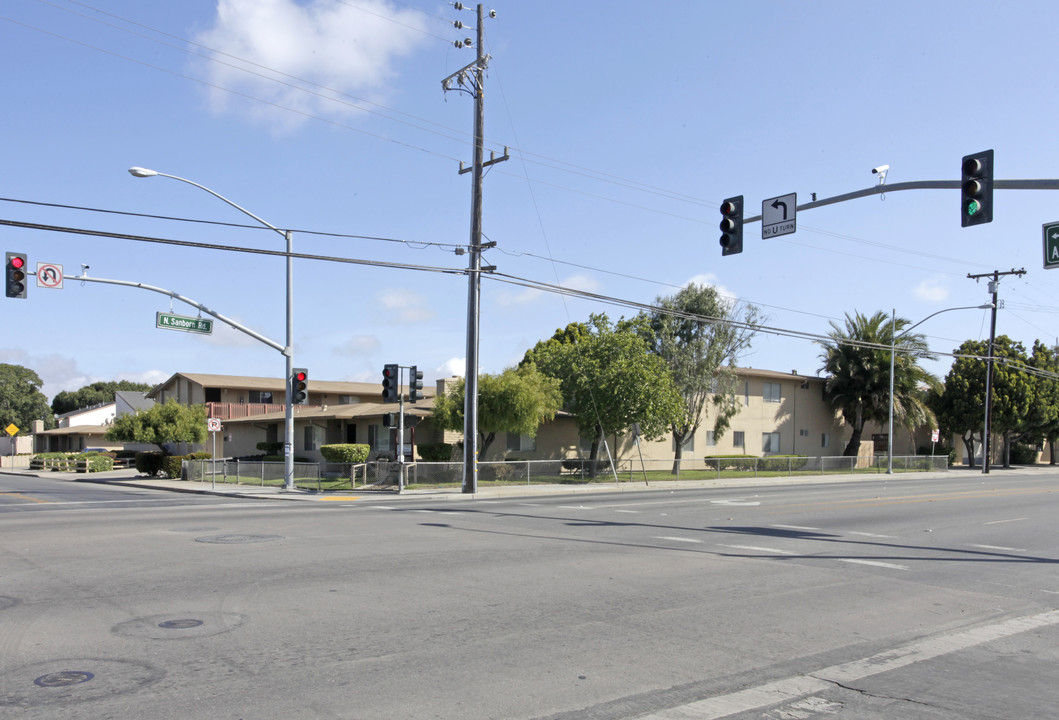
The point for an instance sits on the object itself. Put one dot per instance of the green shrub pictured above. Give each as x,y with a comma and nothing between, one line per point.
345,453
271,448
776,463
435,452
149,462
171,464
739,463
97,462
1022,454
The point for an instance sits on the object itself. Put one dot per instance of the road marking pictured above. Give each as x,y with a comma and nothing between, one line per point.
20,496
383,507
735,501
630,512
340,498
574,507
796,527
792,688
876,563
755,548
997,522
870,535
997,547
677,539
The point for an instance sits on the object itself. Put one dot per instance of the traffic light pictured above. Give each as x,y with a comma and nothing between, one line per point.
976,189
299,386
390,382
732,225
415,384
387,420
16,275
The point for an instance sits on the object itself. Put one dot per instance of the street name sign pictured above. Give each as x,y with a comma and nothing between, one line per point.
779,216
185,324
1051,245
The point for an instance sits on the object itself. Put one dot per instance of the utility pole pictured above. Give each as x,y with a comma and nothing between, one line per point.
994,286
471,79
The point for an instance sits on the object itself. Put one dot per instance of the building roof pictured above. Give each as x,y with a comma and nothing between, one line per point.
277,385
76,430
134,399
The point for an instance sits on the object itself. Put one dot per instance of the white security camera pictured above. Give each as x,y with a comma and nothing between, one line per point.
881,170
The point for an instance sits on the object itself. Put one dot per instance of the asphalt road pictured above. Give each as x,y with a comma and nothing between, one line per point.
896,598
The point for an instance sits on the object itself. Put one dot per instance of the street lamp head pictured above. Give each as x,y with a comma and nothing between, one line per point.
987,306
142,172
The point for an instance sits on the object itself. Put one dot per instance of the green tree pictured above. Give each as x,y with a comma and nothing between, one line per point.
21,401
610,380
1045,359
168,423
700,335
857,362
94,394
516,401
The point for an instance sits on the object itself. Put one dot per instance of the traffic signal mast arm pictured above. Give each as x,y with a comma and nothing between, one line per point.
227,321
1043,184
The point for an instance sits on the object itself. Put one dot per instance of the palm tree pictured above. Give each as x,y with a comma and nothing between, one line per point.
857,361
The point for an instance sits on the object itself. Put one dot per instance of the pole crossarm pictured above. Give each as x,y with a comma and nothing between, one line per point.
199,306
1041,184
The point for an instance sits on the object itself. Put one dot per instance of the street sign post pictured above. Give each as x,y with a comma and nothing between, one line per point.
779,216
1051,245
169,321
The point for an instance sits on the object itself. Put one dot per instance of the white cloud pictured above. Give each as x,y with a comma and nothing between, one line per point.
405,307
931,290
304,55
453,366
580,282
709,279
358,345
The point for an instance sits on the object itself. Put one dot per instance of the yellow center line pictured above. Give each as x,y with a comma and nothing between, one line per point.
25,497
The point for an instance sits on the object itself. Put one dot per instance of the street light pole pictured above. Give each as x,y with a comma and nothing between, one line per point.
288,351
893,351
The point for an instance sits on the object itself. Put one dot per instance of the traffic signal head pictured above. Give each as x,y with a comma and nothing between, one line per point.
732,225
390,382
976,189
415,384
387,420
299,386
16,275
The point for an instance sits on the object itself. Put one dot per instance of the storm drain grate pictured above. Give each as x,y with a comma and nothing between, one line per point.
65,678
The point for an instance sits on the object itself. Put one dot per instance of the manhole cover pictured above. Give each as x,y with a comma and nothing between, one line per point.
237,539
64,678
179,624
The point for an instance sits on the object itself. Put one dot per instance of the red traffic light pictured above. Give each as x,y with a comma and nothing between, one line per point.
18,262
299,376
728,208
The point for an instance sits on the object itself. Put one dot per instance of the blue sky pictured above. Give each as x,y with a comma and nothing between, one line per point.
628,123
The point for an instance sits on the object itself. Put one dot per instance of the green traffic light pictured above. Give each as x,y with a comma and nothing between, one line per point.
973,207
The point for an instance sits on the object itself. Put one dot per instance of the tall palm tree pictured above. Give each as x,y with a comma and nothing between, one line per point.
857,361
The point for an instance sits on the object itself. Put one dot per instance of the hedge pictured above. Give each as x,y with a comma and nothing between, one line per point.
436,452
345,453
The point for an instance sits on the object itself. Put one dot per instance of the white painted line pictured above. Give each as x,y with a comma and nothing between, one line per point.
796,527
997,522
630,512
735,501
792,688
871,535
383,507
677,539
574,507
997,547
876,563
755,548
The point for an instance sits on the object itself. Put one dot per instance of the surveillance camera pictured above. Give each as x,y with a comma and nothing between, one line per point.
880,169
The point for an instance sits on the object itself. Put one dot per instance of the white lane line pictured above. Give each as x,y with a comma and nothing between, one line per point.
796,527
630,512
383,507
997,547
755,548
735,501
870,535
792,688
574,507
997,522
677,539
875,563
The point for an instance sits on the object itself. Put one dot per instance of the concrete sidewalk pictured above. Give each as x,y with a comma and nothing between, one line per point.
130,478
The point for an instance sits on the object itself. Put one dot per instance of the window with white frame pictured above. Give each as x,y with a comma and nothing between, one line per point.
688,444
770,442
825,440
379,438
770,392
314,437
746,392
263,397
711,439
739,438
803,433
521,443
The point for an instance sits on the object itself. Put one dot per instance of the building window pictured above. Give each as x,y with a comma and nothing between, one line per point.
261,396
746,392
825,440
688,444
739,438
711,438
314,437
379,438
770,442
521,443
771,392
211,394
714,384
803,432
346,400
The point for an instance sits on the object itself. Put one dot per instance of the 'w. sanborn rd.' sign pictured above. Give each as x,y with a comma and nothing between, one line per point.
180,322
1051,246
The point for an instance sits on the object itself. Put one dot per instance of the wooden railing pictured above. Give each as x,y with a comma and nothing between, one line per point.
228,411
